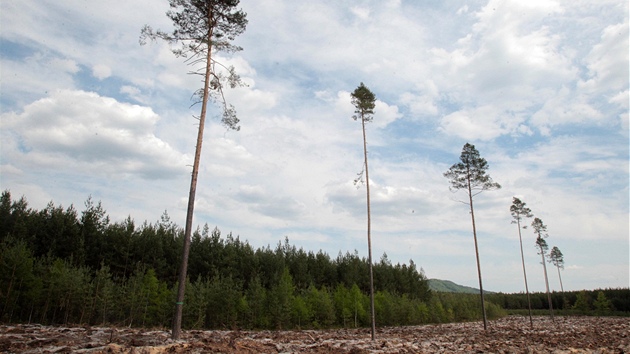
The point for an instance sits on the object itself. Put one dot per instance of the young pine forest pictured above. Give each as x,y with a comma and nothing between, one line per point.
63,266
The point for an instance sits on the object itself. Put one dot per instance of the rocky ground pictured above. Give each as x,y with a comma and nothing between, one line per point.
507,335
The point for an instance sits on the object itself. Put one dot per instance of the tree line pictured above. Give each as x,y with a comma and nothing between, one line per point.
61,266
584,302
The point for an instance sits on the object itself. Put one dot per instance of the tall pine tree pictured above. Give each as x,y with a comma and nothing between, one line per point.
202,27
557,259
470,174
364,102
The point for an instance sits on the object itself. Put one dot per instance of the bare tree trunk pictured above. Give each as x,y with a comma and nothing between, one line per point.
542,253
559,277
104,310
369,229
30,314
472,215
6,303
529,303
17,298
177,320
93,302
45,312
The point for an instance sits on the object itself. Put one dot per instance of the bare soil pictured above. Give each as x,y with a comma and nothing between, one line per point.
508,335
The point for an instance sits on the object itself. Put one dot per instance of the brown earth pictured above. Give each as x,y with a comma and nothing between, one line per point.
507,335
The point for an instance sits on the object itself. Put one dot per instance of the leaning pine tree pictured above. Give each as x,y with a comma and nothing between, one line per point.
364,102
520,211
540,230
557,258
202,27
470,174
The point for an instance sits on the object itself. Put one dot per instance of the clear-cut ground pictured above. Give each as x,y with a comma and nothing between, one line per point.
507,335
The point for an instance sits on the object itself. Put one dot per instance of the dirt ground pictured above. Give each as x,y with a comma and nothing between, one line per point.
507,335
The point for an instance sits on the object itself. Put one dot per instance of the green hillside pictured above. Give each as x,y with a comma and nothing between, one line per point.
447,286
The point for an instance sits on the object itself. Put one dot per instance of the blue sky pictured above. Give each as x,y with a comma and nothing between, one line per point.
539,87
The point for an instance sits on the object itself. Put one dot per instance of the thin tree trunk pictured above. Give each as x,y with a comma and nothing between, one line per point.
82,313
54,315
146,308
67,314
529,303
17,299
30,314
44,313
93,305
369,229
6,303
472,215
133,301
177,321
542,253
559,277
104,309
127,255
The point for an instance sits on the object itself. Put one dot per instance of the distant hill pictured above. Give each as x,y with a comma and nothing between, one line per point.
447,286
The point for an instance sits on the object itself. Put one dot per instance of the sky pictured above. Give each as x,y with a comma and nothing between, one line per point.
539,87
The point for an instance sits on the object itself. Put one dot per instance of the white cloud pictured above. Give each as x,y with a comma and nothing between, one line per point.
36,75
87,131
483,123
251,101
499,14
134,93
386,114
8,169
622,99
259,201
608,60
101,71
65,65
565,108
422,104
565,178
361,12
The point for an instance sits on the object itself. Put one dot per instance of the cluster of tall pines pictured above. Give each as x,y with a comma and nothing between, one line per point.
62,266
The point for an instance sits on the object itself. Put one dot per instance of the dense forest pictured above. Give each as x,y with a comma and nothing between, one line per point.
584,302
64,266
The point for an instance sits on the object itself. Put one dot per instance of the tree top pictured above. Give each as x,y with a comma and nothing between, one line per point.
519,210
364,102
200,25
471,172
